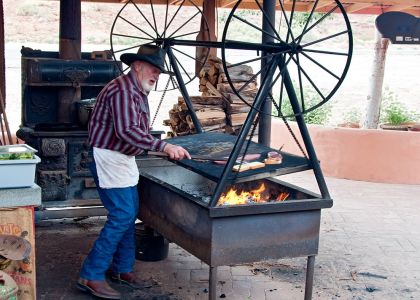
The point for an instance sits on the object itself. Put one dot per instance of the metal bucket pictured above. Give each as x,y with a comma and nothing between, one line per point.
150,246
84,110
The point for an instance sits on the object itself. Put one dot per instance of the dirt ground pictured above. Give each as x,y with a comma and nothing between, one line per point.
36,24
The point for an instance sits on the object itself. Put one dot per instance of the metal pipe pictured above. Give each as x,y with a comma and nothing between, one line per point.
261,95
183,90
212,283
264,130
270,48
304,131
309,277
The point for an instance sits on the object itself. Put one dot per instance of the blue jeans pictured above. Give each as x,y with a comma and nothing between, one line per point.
116,242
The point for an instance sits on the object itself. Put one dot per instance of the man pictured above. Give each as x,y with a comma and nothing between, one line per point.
119,130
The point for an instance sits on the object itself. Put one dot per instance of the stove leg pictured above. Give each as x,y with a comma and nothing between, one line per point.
212,283
309,277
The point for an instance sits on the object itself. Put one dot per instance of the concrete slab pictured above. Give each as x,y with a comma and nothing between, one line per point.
369,247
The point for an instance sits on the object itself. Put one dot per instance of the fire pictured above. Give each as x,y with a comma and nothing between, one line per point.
258,195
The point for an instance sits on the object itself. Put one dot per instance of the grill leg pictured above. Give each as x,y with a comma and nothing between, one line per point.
309,277
212,283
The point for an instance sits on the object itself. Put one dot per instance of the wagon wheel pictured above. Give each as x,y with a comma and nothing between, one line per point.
152,24
314,47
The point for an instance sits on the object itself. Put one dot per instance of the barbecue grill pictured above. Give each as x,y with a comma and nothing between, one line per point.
294,57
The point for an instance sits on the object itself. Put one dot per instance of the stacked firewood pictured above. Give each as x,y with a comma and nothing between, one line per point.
209,110
218,108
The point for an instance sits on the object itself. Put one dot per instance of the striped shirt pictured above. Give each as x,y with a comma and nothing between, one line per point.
120,119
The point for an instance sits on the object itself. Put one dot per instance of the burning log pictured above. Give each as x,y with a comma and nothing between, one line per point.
261,194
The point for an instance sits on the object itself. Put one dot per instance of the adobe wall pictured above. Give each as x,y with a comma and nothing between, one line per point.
385,156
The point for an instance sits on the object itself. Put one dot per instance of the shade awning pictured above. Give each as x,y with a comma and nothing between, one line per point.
374,7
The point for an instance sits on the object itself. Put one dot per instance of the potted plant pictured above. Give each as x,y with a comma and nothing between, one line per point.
395,116
351,119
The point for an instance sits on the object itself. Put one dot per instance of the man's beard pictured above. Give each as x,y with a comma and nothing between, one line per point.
146,86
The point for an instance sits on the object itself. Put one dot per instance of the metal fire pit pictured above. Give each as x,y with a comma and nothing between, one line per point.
174,201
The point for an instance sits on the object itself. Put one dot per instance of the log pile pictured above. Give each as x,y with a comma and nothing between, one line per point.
209,110
218,108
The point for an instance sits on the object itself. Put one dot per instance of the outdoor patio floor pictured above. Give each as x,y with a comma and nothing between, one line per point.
369,244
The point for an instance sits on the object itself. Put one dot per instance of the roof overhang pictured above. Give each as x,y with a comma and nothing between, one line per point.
375,7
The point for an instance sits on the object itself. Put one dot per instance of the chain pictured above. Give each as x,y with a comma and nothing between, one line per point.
287,125
251,135
160,102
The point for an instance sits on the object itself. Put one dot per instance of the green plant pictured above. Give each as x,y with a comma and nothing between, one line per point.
318,116
352,116
300,18
28,9
394,112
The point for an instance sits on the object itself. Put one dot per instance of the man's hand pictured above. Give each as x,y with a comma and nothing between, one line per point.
176,152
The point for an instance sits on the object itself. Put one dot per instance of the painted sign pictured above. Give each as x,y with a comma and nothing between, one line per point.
399,27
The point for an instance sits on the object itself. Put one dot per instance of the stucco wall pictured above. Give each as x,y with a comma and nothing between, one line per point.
359,154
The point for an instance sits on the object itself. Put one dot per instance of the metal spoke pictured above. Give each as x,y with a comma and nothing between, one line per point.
154,19
185,34
282,70
168,68
310,80
321,66
186,54
317,22
185,23
289,28
292,12
166,18
258,58
132,47
281,96
326,38
307,22
280,73
126,69
268,20
182,67
254,26
173,17
154,29
276,106
133,37
135,26
325,52
253,77
302,99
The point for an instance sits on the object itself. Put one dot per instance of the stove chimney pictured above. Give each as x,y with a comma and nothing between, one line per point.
70,49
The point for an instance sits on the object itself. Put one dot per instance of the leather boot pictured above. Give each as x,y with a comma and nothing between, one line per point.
132,280
98,288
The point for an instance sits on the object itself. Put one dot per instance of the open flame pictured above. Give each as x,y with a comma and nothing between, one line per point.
258,195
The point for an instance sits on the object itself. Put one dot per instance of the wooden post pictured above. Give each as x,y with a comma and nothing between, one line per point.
209,12
374,97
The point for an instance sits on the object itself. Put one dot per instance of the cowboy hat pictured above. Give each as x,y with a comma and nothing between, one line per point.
152,54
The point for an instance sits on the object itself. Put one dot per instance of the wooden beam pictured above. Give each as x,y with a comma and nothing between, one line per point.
384,2
323,4
175,2
229,3
352,8
398,7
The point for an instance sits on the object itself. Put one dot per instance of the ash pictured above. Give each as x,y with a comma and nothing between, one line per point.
203,192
